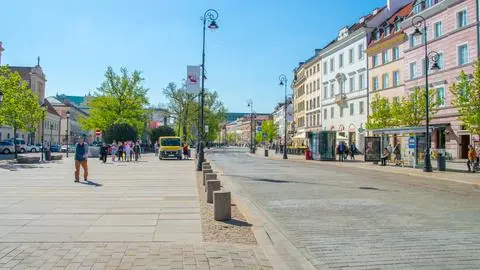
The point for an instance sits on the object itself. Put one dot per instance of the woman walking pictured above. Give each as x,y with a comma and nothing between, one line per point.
114,151
127,151
120,151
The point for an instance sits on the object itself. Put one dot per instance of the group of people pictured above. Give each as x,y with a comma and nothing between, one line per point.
124,151
387,154
343,151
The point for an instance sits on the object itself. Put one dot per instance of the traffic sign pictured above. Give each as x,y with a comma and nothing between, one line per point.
98,132
412,143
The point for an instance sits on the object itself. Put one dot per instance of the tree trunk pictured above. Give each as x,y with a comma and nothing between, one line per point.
15,141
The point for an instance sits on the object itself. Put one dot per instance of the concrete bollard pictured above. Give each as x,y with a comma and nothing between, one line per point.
212,185
206,167
205,172
222,205
209,176
205,163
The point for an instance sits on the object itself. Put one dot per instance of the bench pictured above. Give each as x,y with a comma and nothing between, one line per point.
57,157
28,160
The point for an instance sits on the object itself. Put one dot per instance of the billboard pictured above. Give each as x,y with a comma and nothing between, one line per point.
373,151
193,79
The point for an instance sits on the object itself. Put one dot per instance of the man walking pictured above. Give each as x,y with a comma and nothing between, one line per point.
81,156
104,152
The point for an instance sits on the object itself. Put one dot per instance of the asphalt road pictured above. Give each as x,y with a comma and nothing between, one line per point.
358,219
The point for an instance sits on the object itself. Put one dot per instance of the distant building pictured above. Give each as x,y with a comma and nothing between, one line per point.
74,128
279,120
81,102
160,117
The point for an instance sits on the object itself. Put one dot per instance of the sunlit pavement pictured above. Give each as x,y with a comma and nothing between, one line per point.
346,217
128,215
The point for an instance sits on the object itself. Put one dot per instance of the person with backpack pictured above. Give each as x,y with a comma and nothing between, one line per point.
81,157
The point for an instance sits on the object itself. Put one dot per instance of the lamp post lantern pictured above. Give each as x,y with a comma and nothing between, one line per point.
210,16
68,120
420,22
283,82
44,108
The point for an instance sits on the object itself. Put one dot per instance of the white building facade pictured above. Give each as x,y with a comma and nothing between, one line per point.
279,120
313,86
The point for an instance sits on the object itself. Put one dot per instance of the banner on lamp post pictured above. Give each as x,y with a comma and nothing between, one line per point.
193,79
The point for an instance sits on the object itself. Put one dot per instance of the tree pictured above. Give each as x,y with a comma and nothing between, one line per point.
162,131
381,116
271,129
466,98
231,138
413,107
214,115
120,132
120,99
183,107
20,108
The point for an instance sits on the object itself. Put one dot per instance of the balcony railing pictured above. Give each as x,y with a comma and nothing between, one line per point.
340,99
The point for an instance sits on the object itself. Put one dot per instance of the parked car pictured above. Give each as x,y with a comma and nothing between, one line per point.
21,145
55,148
34,148
6,147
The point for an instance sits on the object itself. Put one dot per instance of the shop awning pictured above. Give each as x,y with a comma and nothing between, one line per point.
300,136
407,130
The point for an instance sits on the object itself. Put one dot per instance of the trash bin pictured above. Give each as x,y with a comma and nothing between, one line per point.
308,155
266,152
48,155
441,162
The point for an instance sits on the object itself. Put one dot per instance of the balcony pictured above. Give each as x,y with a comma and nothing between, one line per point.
340,99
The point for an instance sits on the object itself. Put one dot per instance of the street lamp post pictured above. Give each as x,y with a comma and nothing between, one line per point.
283,82
68,120
417,22
210,15
51,133
252,127
44,108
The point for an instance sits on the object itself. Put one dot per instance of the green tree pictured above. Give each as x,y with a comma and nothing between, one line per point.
120,133
162,131
231,138
466,98
413,107
271,129
381,116
20,108
120,99
215,115
184,108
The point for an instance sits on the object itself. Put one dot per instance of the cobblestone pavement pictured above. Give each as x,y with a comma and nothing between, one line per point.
350,218
127,216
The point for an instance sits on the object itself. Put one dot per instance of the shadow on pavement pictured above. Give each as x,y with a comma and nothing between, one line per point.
16,167
239,223
91,183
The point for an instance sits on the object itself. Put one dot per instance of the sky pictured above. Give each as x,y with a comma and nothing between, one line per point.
257,40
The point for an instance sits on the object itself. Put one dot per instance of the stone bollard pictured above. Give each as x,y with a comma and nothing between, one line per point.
205,172
206,167
222,205
205,163
209,176
212,185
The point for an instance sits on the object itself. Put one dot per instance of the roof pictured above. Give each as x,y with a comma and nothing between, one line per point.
55,102
23,71
50,108
79,101
403,12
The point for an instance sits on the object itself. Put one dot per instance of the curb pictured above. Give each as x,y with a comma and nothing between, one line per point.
281,253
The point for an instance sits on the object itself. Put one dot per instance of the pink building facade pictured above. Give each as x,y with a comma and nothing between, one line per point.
452,31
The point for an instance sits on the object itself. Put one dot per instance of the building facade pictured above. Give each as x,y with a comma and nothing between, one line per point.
452,31
313,73
71,124
299,112
279,120
51,126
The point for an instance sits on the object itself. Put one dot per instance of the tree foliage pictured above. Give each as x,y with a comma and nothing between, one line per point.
381,116
466,98
120,99
162,131
231,138
20,108
120,133
270,129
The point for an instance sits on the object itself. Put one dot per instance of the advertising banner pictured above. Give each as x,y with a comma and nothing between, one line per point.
193,79
373,149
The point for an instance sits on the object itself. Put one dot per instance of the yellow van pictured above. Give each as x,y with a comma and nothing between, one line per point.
170,147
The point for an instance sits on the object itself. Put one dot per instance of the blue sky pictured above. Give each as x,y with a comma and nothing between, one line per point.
256,42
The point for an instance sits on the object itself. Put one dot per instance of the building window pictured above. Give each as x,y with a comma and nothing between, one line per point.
314,103
375,60
332,63
332,90
375,83
377,34
325,91
361,80
352,108
352,84
332,112
437,28
360,52
440,61
341,111
318,84
318,67
387,31
462,18
411,40
462,57
441,96
395,53
318,119
413,70
385,57
350,56
314,85
361,107
396,78
397,25
340,60
385,81
324,113
318,101
325,68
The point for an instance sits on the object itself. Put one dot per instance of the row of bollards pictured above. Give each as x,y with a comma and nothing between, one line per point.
221,199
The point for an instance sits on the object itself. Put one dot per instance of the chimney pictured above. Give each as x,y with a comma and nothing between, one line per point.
1,51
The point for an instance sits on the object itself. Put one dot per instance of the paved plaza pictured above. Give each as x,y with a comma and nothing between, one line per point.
341,217
138,215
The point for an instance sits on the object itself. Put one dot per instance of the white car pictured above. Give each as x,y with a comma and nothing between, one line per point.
34,148
6,147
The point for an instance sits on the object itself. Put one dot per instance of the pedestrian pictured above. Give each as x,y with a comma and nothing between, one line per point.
398,155
114,151
385,156
120,151
472,157
104,152
185,151
81,156
341,151
131,150
127,150
155,147
136,150
353,150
